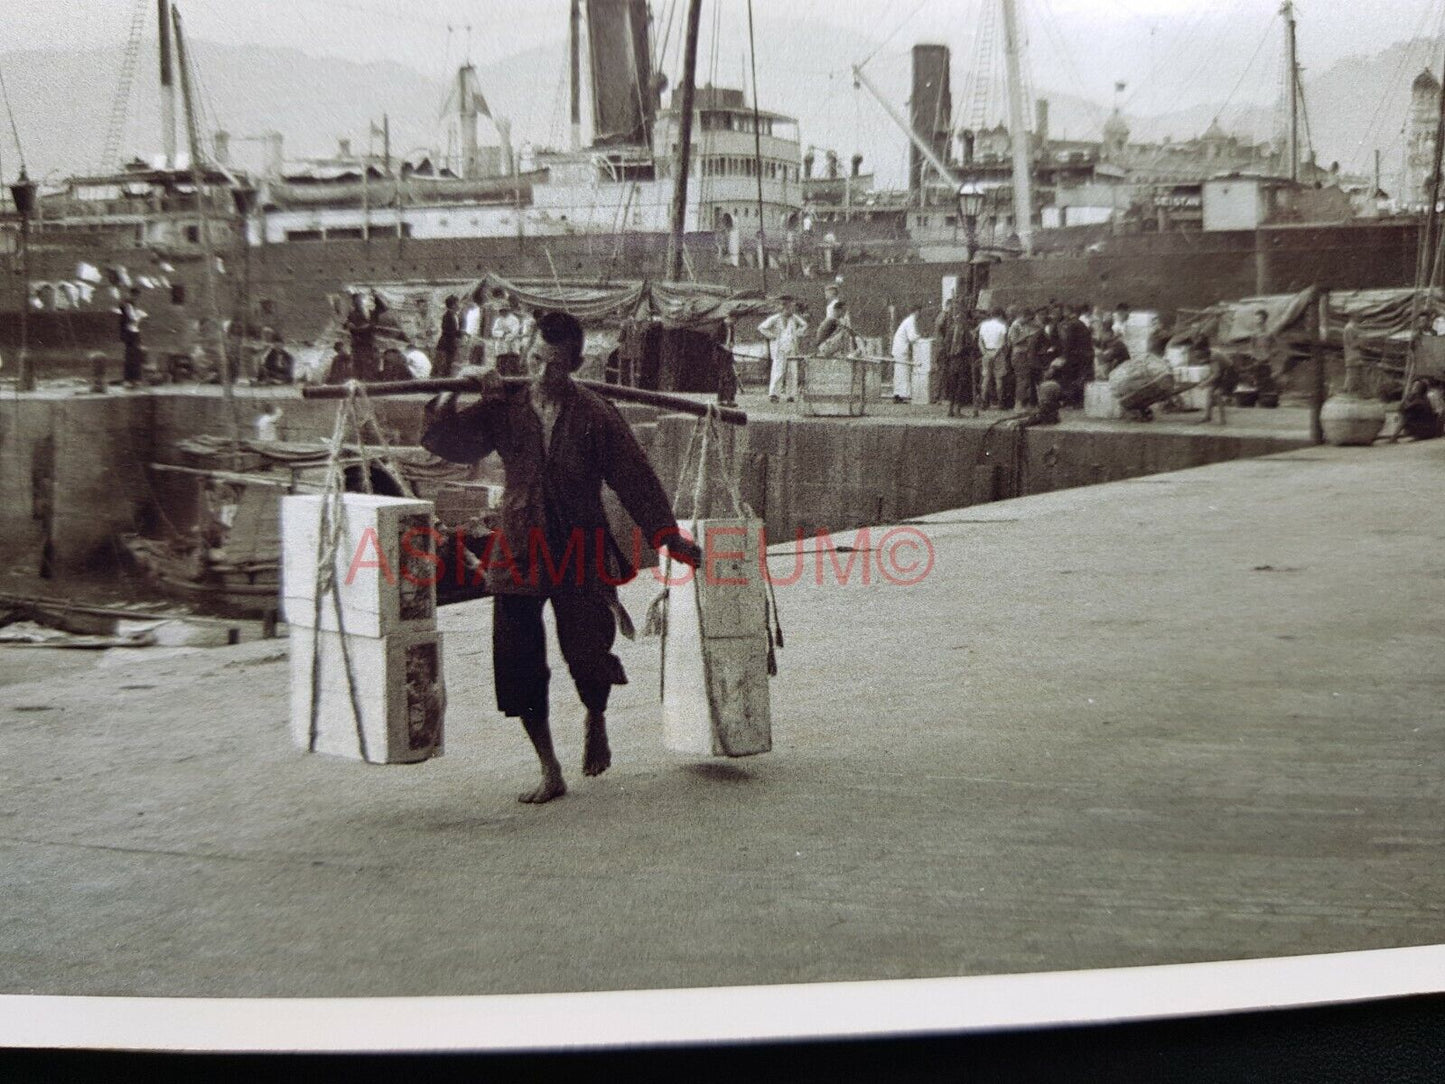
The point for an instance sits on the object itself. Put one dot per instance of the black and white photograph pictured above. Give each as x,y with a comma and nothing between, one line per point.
972,468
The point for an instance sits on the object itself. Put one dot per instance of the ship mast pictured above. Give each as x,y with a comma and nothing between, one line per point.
168,84
684,141
1291,60
1018,131
574,58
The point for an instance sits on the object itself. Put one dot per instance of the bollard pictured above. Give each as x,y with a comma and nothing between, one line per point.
97,374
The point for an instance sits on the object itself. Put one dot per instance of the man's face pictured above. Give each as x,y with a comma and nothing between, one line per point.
789,308
546,364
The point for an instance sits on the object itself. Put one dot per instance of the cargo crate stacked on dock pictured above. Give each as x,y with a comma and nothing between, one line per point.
372,668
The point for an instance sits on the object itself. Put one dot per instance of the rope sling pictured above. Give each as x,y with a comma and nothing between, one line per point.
707,439
357,410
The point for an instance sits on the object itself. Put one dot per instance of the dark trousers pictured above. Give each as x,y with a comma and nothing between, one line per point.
446,360
585,632
134,368
1024,381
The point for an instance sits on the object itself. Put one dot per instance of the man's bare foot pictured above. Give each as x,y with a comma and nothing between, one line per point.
596,753
551,787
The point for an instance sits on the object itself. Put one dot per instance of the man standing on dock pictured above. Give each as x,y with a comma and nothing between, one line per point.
131,316
992,337
558,442
450,340
905,338
784,332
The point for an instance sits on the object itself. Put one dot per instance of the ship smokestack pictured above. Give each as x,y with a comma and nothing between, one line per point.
968,141
223,148
857,165
930,109
1041,121
168,85
624,92
808,160
831,165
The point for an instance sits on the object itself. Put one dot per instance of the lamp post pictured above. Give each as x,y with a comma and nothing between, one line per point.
23,193
970,206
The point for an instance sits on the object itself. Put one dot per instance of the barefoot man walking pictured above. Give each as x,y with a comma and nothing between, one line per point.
559,442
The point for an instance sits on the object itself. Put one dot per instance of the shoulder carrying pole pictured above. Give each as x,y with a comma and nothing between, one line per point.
619,392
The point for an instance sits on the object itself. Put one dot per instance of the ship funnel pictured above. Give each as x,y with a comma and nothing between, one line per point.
625,95
930,109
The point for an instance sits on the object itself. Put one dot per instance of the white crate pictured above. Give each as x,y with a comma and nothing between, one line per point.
400,689
1099,401
715,697
385,585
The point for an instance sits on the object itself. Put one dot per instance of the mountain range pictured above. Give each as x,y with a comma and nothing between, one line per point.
64,101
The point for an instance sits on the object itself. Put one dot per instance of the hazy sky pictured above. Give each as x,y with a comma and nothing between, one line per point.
1173,54
1162,48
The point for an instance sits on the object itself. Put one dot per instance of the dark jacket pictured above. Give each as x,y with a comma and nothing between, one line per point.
553,530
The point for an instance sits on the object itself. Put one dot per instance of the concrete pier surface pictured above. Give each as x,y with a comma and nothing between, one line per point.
1187,717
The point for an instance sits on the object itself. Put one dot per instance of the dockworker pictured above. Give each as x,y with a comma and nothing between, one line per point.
1024,349
1419,420
1219,385
473,348
385,327
559,442
341,368
1109,351
449,342
835,334
832,298
1050,398
962,355
1077,343
131,316
393,364
727,373
784,332
992,338
277,365
942,336
905,338
507,335
363,339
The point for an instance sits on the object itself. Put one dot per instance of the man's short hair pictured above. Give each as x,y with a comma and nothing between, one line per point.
562,330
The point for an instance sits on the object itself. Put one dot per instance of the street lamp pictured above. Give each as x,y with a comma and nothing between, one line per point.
23,192
970,206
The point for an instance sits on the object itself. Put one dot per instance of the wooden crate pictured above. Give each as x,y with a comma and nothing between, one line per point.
384,565
715,697
400,688
836,387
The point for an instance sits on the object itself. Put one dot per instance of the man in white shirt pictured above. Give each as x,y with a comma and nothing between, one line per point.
471,347
904,340
784,332
508,342
832,297
992,334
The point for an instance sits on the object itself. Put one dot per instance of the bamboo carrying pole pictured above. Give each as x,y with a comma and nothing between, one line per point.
462,384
